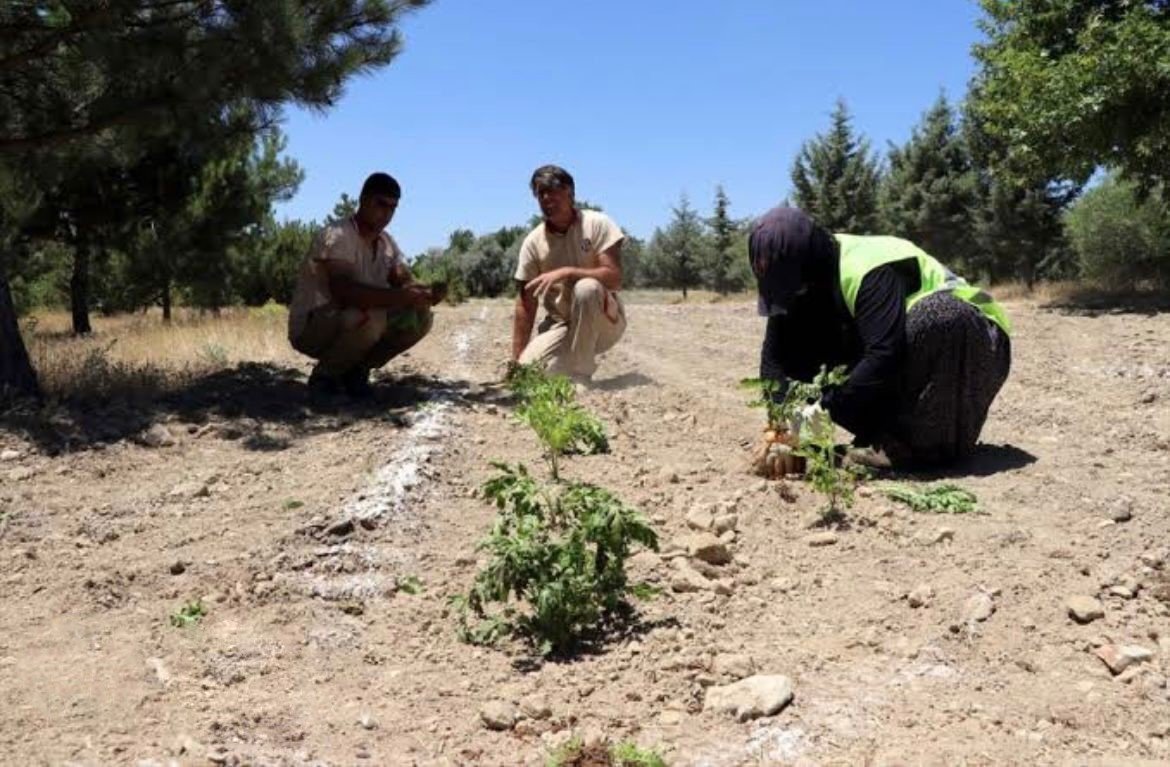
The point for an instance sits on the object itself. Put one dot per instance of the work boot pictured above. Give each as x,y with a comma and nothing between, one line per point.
323,387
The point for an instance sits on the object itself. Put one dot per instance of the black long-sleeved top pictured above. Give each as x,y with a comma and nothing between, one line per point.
872,345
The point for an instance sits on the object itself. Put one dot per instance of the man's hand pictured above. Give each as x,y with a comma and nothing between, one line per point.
540,284
419,296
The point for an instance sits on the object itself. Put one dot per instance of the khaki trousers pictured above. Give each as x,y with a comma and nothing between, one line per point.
597,320
345,339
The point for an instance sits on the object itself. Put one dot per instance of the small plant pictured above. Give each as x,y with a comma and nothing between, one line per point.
940,499
559,549
214,354
547,405
411,584
576,754
293,504
189,614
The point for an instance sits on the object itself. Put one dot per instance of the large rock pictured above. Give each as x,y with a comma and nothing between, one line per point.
498,715
687,579
750,698
700,518
1084,609
708,548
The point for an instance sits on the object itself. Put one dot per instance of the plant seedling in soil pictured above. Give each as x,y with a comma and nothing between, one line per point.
548,406
576,754
292,504
940,499
779,454
560,550
189,614
410,585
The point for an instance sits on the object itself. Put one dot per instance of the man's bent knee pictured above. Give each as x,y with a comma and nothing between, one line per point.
588,289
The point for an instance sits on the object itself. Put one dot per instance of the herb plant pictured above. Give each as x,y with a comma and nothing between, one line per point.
940,499
189,614
558,549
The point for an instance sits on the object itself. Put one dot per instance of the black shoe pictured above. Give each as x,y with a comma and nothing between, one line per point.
357,383
321,382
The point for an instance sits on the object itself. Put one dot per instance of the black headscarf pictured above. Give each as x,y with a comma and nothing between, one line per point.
793,258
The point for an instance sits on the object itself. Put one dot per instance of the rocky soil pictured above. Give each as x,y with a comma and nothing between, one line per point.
322,545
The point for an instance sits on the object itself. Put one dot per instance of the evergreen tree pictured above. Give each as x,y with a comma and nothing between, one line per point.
718,269
681,249
929,193
835,178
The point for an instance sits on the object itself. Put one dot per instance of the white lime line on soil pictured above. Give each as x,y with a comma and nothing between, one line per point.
386,496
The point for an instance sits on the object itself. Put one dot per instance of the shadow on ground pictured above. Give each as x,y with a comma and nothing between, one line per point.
1094,303
623,381
984,462
265,406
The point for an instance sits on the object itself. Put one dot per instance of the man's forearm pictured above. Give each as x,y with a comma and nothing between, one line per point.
608,276
351,294
522,322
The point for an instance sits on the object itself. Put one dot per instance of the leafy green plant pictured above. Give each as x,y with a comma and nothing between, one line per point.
629,755
783,411
292,504
189,614
625,754
410,584
940,499
547,405
560,550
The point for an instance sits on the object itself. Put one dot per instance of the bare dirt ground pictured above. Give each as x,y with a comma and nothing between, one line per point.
324,546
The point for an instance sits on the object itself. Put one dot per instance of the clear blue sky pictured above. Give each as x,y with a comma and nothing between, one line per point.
641,100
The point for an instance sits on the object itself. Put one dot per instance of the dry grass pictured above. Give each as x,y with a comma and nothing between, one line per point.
138,356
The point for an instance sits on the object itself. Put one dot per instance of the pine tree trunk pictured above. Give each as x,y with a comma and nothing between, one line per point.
166,301
79,291
17,377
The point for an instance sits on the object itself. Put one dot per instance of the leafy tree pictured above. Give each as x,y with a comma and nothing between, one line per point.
1120,239
1068,86
835,178
1018,231
929,194
91,77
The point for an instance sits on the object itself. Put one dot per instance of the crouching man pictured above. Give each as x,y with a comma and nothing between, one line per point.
356,305
572,263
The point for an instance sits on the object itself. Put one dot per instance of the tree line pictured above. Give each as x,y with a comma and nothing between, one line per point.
140,158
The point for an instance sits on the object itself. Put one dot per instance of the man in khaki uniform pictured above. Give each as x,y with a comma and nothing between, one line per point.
572,262
356,305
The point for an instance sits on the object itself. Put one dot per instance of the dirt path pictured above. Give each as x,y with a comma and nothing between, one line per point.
325,545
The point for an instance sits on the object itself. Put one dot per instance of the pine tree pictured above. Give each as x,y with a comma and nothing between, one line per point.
929,193
682,247
835,178
718,271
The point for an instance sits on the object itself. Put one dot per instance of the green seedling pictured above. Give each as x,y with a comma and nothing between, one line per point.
189,614
292,504
629,755
560,550
410,585
645,592
547,405
940,499
624,754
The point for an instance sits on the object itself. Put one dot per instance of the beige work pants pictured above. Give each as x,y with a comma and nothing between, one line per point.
597,320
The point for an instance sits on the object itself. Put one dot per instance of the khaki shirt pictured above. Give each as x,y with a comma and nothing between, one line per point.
591,234
339,244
